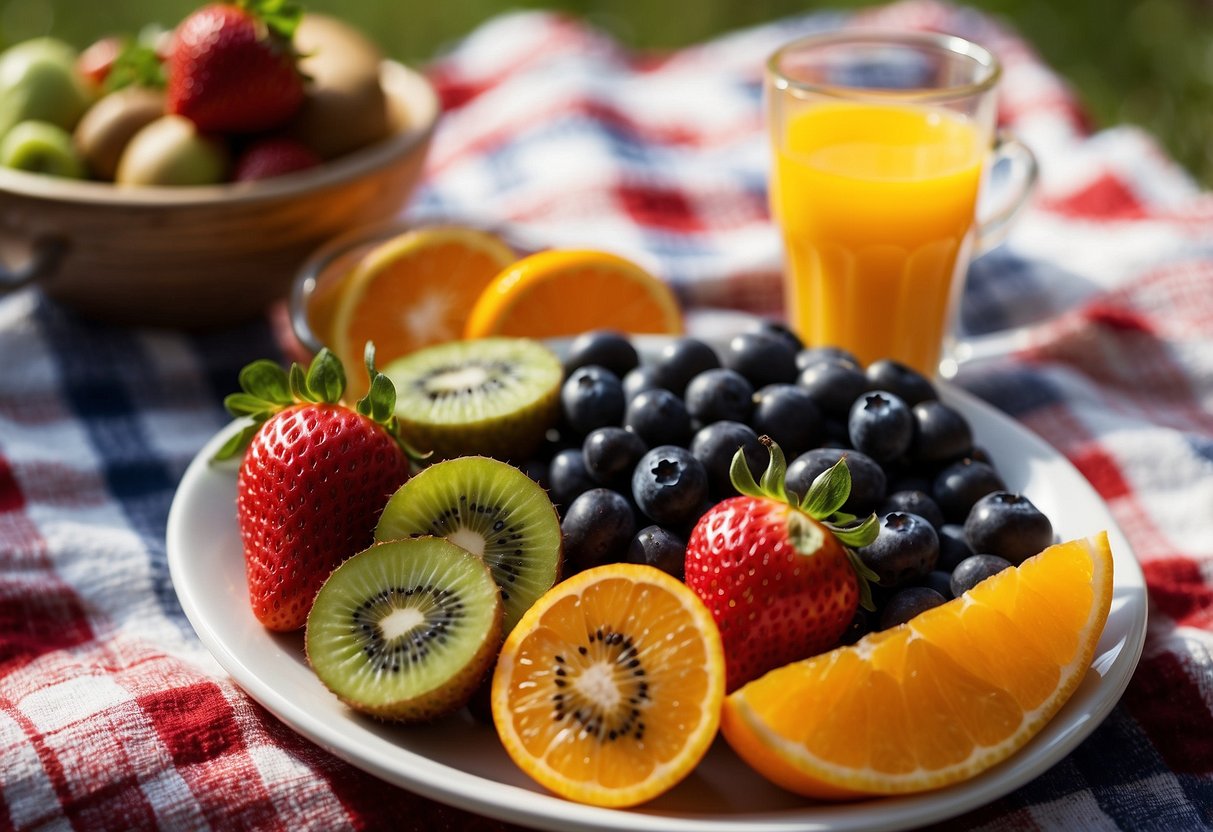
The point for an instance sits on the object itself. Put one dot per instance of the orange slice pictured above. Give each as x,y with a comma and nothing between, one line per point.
939,698
414,290
556,293
609,689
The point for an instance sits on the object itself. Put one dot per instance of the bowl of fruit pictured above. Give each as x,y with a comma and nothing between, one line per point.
180,178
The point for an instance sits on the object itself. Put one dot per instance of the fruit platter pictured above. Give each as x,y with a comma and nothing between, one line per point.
476,754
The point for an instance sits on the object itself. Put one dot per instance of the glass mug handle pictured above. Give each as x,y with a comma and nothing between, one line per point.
1009,198
1020,183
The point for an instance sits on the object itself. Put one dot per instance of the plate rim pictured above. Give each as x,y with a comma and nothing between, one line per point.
444,783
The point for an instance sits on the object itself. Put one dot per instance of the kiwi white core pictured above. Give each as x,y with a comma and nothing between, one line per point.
465,538
597,683
400,621
459,378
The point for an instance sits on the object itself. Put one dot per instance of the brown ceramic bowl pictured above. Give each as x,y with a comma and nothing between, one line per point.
204,256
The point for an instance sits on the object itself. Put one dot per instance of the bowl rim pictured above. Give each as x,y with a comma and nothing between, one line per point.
409,86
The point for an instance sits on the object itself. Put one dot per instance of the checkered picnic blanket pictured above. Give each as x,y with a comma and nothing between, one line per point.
112,714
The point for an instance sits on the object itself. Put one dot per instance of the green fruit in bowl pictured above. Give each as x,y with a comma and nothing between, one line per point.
171,151
39,82
107,128
41,147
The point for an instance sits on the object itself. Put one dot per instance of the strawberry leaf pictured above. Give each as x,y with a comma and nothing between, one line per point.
325,377
236,442
828,492
855,535
773,477
137,65
267,381
866,578
742,479
281,17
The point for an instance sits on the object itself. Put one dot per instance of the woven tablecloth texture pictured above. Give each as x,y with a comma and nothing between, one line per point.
114,716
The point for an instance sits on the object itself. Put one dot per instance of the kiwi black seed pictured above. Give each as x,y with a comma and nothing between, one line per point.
405,630
494,511
490,396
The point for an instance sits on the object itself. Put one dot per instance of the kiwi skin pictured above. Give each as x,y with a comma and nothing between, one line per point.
438,701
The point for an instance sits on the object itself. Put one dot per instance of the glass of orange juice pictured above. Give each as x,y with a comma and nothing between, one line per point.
880,145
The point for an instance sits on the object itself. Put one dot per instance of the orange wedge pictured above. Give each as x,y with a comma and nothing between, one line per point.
609,689
938,699
414,290
557,293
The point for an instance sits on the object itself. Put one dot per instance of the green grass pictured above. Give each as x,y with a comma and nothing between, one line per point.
1149,62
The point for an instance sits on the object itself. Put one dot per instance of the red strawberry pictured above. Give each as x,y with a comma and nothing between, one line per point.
314,478
232,69
778,577
273,157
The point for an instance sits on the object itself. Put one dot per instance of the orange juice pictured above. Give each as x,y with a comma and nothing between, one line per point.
876,202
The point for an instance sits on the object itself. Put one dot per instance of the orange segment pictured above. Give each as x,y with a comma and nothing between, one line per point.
609,689
414,290
556,293
938,699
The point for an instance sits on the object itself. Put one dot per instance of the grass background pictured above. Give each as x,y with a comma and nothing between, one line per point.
1148,62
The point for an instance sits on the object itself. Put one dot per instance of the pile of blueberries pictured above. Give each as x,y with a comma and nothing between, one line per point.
644,449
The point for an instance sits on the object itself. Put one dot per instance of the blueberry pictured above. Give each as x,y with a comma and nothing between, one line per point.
603,347
908,603
881,425
915,502
973,570
610,453
940,432
953,546
834,385
1008,525
868,481
719,394
781,331
940,581
786,413
658,417
911,385
597,529
568,477
655,546
761,357
905,549
640,379
814,355
591,397
860,626
716,445
669,485
682,360
957,487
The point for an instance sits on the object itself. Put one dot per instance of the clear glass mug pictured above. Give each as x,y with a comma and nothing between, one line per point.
880,146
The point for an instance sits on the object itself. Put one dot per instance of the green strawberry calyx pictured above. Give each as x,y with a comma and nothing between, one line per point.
267,389
822,503
281,17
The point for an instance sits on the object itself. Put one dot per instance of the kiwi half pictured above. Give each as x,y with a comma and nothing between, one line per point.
405,630
491,396
491,509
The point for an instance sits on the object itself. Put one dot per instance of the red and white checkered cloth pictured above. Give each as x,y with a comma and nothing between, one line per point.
112,714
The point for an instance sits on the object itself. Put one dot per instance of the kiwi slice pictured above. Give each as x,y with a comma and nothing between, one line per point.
405,630
491,509
491,396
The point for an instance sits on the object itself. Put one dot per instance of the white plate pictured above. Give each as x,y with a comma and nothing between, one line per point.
460,762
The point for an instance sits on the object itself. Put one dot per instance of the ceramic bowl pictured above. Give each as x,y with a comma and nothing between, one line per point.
204,256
